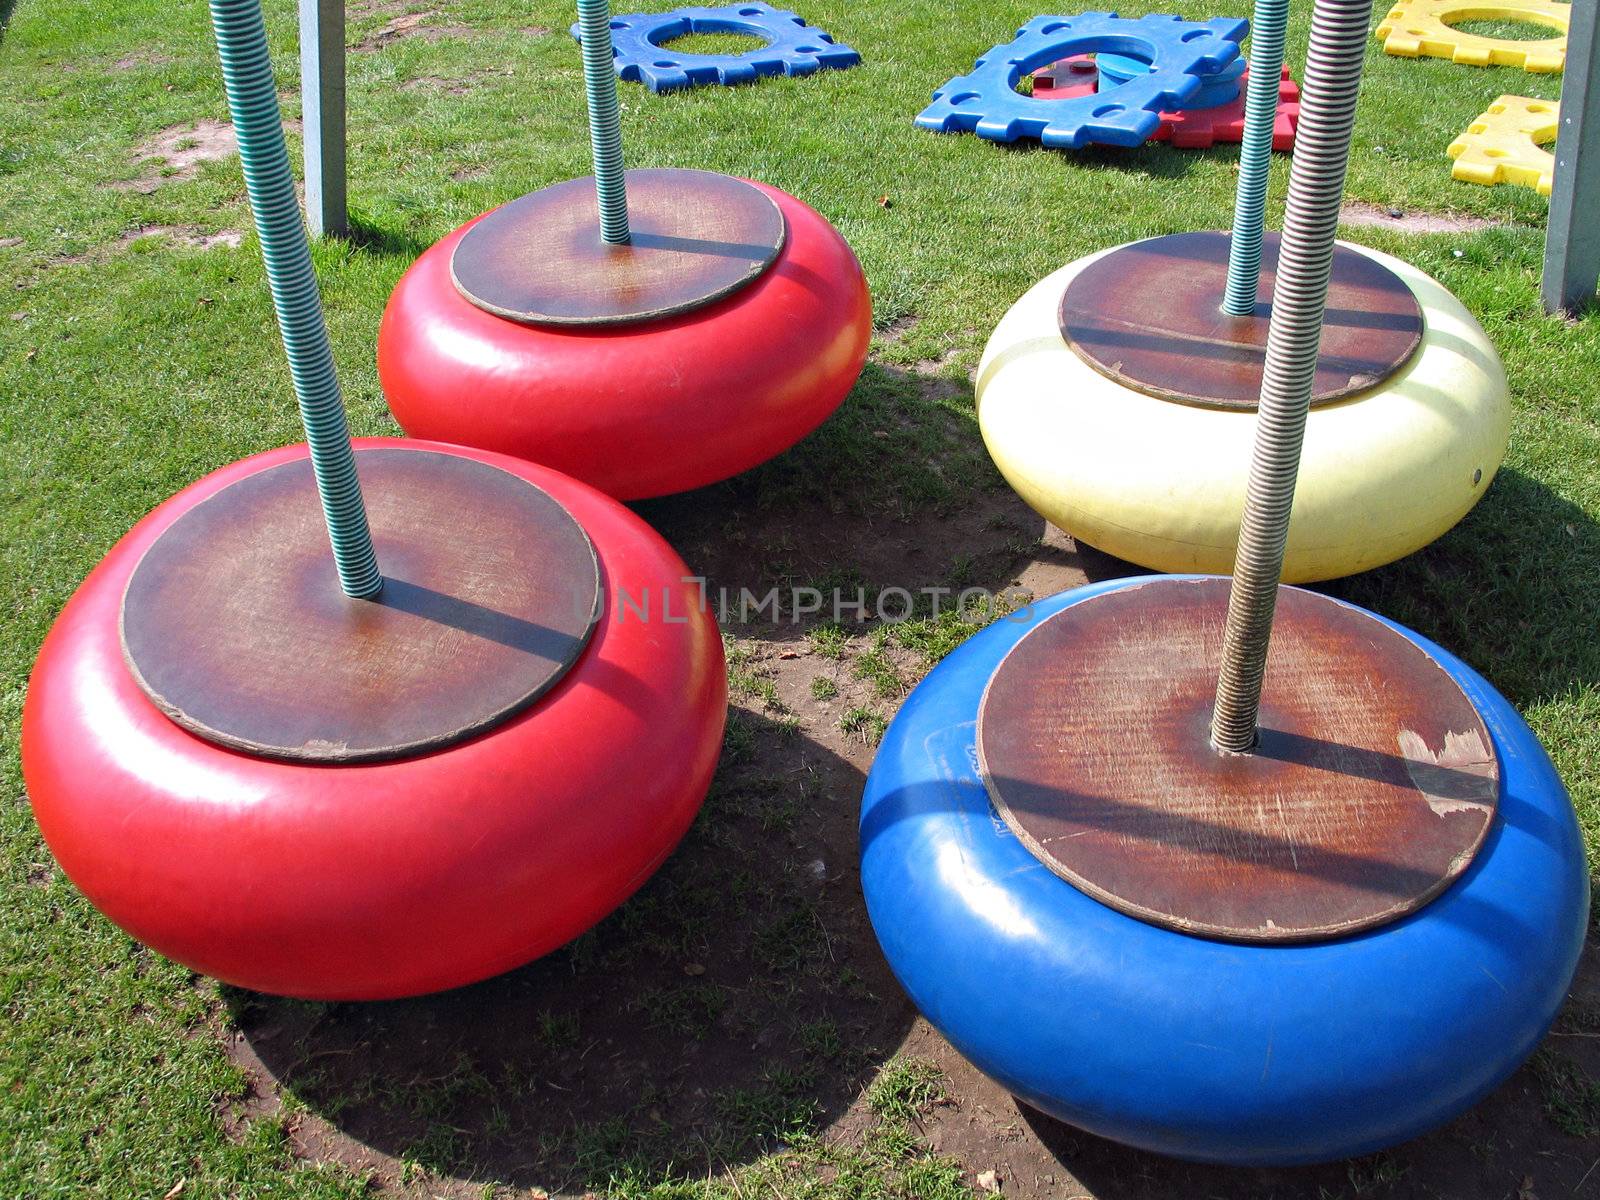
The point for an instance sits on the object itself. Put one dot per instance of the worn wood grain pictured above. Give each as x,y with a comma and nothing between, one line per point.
1149,316
1373,785
697,236
235,626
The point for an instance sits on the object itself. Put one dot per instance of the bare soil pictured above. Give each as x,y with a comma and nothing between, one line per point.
191,236
177,153
426,25
1374,217
456,86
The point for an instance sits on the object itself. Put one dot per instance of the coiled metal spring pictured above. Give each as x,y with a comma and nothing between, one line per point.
1339,31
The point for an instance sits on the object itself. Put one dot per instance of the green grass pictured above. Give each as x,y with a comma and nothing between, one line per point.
905,1087
714,43
128,370
1512,31
1571,1097
828,639
867,724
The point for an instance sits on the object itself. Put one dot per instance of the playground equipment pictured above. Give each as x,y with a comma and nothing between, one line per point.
702,325
1425,28
639,44
1221,88
1190,128
447,749
1181,55
1507,144
1118,396
1225,869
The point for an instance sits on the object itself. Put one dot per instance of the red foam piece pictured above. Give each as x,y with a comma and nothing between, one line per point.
635,410
1191,129
379,880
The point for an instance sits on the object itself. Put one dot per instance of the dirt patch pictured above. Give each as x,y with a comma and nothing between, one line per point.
185,235
178,152
1371,216
933,367
897,329
41,875
7,242
425,25
129,62
182,148
452,87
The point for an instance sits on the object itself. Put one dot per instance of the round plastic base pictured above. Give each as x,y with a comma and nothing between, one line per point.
1209,1050
1162,483
380,880
642,409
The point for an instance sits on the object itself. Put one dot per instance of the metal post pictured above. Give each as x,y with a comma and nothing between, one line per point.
253,103
1299,301
605,121
1268,29
1572,238
322,105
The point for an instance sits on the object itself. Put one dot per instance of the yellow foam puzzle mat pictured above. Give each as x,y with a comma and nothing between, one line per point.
1507,144
1426,28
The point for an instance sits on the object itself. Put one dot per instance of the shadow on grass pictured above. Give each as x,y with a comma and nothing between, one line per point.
737,1001
368,235
1511,589
7,7
1534,1135
895,491
1155,160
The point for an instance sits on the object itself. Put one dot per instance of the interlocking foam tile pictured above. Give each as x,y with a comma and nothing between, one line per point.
1189,129
1415,28
1218,89
1505,144
793,47
985,101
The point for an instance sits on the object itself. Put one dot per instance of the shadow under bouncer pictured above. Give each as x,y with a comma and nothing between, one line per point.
738,999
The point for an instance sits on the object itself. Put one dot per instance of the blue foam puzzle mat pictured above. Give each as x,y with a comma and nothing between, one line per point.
985,101
793,47
1215,90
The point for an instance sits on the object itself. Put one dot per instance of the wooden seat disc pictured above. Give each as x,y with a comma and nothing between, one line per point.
1149,316
235,626
1374,783
696,237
